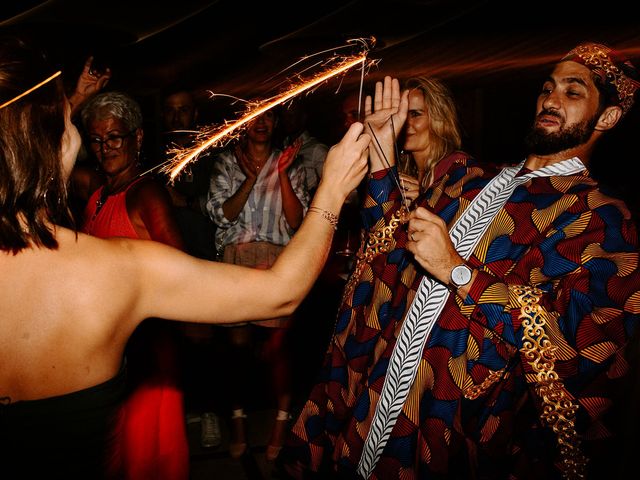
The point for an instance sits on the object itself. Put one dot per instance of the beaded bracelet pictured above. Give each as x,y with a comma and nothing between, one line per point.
332,218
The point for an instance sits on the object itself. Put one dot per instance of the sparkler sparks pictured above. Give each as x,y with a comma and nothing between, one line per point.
221,135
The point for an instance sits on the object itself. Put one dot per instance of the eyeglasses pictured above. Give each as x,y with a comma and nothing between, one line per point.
113,142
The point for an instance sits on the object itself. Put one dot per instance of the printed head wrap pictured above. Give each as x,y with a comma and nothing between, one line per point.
615,74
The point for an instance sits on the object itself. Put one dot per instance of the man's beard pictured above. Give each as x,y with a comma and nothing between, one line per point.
539,142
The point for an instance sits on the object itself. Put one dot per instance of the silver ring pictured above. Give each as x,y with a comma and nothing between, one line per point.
412,237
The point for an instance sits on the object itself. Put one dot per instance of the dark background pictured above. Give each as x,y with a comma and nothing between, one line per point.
492,53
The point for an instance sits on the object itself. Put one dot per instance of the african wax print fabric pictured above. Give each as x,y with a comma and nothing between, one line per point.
476,408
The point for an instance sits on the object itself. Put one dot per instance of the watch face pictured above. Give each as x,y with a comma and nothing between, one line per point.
460,275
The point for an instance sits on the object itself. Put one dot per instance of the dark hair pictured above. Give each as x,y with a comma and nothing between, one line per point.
33,193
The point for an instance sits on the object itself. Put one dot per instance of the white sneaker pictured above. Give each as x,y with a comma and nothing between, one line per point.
210,430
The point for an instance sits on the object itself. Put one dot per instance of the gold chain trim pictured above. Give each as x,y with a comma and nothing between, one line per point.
558,408
474,391
379,241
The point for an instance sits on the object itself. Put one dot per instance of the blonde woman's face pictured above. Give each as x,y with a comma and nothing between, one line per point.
71,142
418,123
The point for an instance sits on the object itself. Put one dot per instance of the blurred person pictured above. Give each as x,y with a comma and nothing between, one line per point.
134,205
70,301
294,119
257,198
486,338
351,109
179,117
188,191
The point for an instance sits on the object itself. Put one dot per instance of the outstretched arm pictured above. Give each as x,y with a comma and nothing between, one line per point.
177,286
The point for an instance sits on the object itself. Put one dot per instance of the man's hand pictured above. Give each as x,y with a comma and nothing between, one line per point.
431,245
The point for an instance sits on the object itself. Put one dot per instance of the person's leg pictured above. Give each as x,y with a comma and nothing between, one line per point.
276,352
240,344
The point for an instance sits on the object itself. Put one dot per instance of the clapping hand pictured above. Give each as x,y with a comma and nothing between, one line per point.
288,155
246,165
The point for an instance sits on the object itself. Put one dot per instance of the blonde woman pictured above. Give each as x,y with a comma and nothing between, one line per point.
432,135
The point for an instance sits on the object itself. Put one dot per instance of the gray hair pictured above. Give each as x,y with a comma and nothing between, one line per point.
113,105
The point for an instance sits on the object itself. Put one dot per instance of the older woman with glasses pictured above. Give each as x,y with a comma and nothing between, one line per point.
131,204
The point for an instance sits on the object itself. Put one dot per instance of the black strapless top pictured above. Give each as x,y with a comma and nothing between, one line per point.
71,436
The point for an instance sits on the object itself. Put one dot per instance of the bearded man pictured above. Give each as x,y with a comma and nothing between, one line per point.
486,339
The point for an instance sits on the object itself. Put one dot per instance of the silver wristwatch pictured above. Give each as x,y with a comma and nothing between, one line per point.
460,275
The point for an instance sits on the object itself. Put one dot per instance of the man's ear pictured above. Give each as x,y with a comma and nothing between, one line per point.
609,118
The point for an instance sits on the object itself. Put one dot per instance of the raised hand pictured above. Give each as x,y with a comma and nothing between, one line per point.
89,83
384,118
247,166
289,155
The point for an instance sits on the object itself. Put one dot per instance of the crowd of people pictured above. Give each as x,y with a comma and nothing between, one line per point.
484,328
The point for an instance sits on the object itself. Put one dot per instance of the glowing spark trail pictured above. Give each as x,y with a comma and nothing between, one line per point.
217,136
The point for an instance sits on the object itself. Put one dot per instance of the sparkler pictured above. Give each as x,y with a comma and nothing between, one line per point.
221,135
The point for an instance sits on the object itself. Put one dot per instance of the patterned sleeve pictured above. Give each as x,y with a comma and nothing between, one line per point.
382,198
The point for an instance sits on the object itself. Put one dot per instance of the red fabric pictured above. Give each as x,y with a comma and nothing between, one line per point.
153,435
112,220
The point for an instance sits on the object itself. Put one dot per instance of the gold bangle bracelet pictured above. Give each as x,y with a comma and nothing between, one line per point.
332,218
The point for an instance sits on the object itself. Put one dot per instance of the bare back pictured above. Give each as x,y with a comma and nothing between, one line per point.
65,320
67,314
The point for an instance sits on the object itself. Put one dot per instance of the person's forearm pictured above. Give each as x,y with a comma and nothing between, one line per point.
235,203
301,262
76,100
381,155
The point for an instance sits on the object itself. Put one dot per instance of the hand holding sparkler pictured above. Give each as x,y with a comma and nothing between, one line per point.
344,168
385,116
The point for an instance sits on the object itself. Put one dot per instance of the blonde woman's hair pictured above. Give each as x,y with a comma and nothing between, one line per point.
444,127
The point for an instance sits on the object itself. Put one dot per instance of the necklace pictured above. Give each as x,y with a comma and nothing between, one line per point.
105,193
258,163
